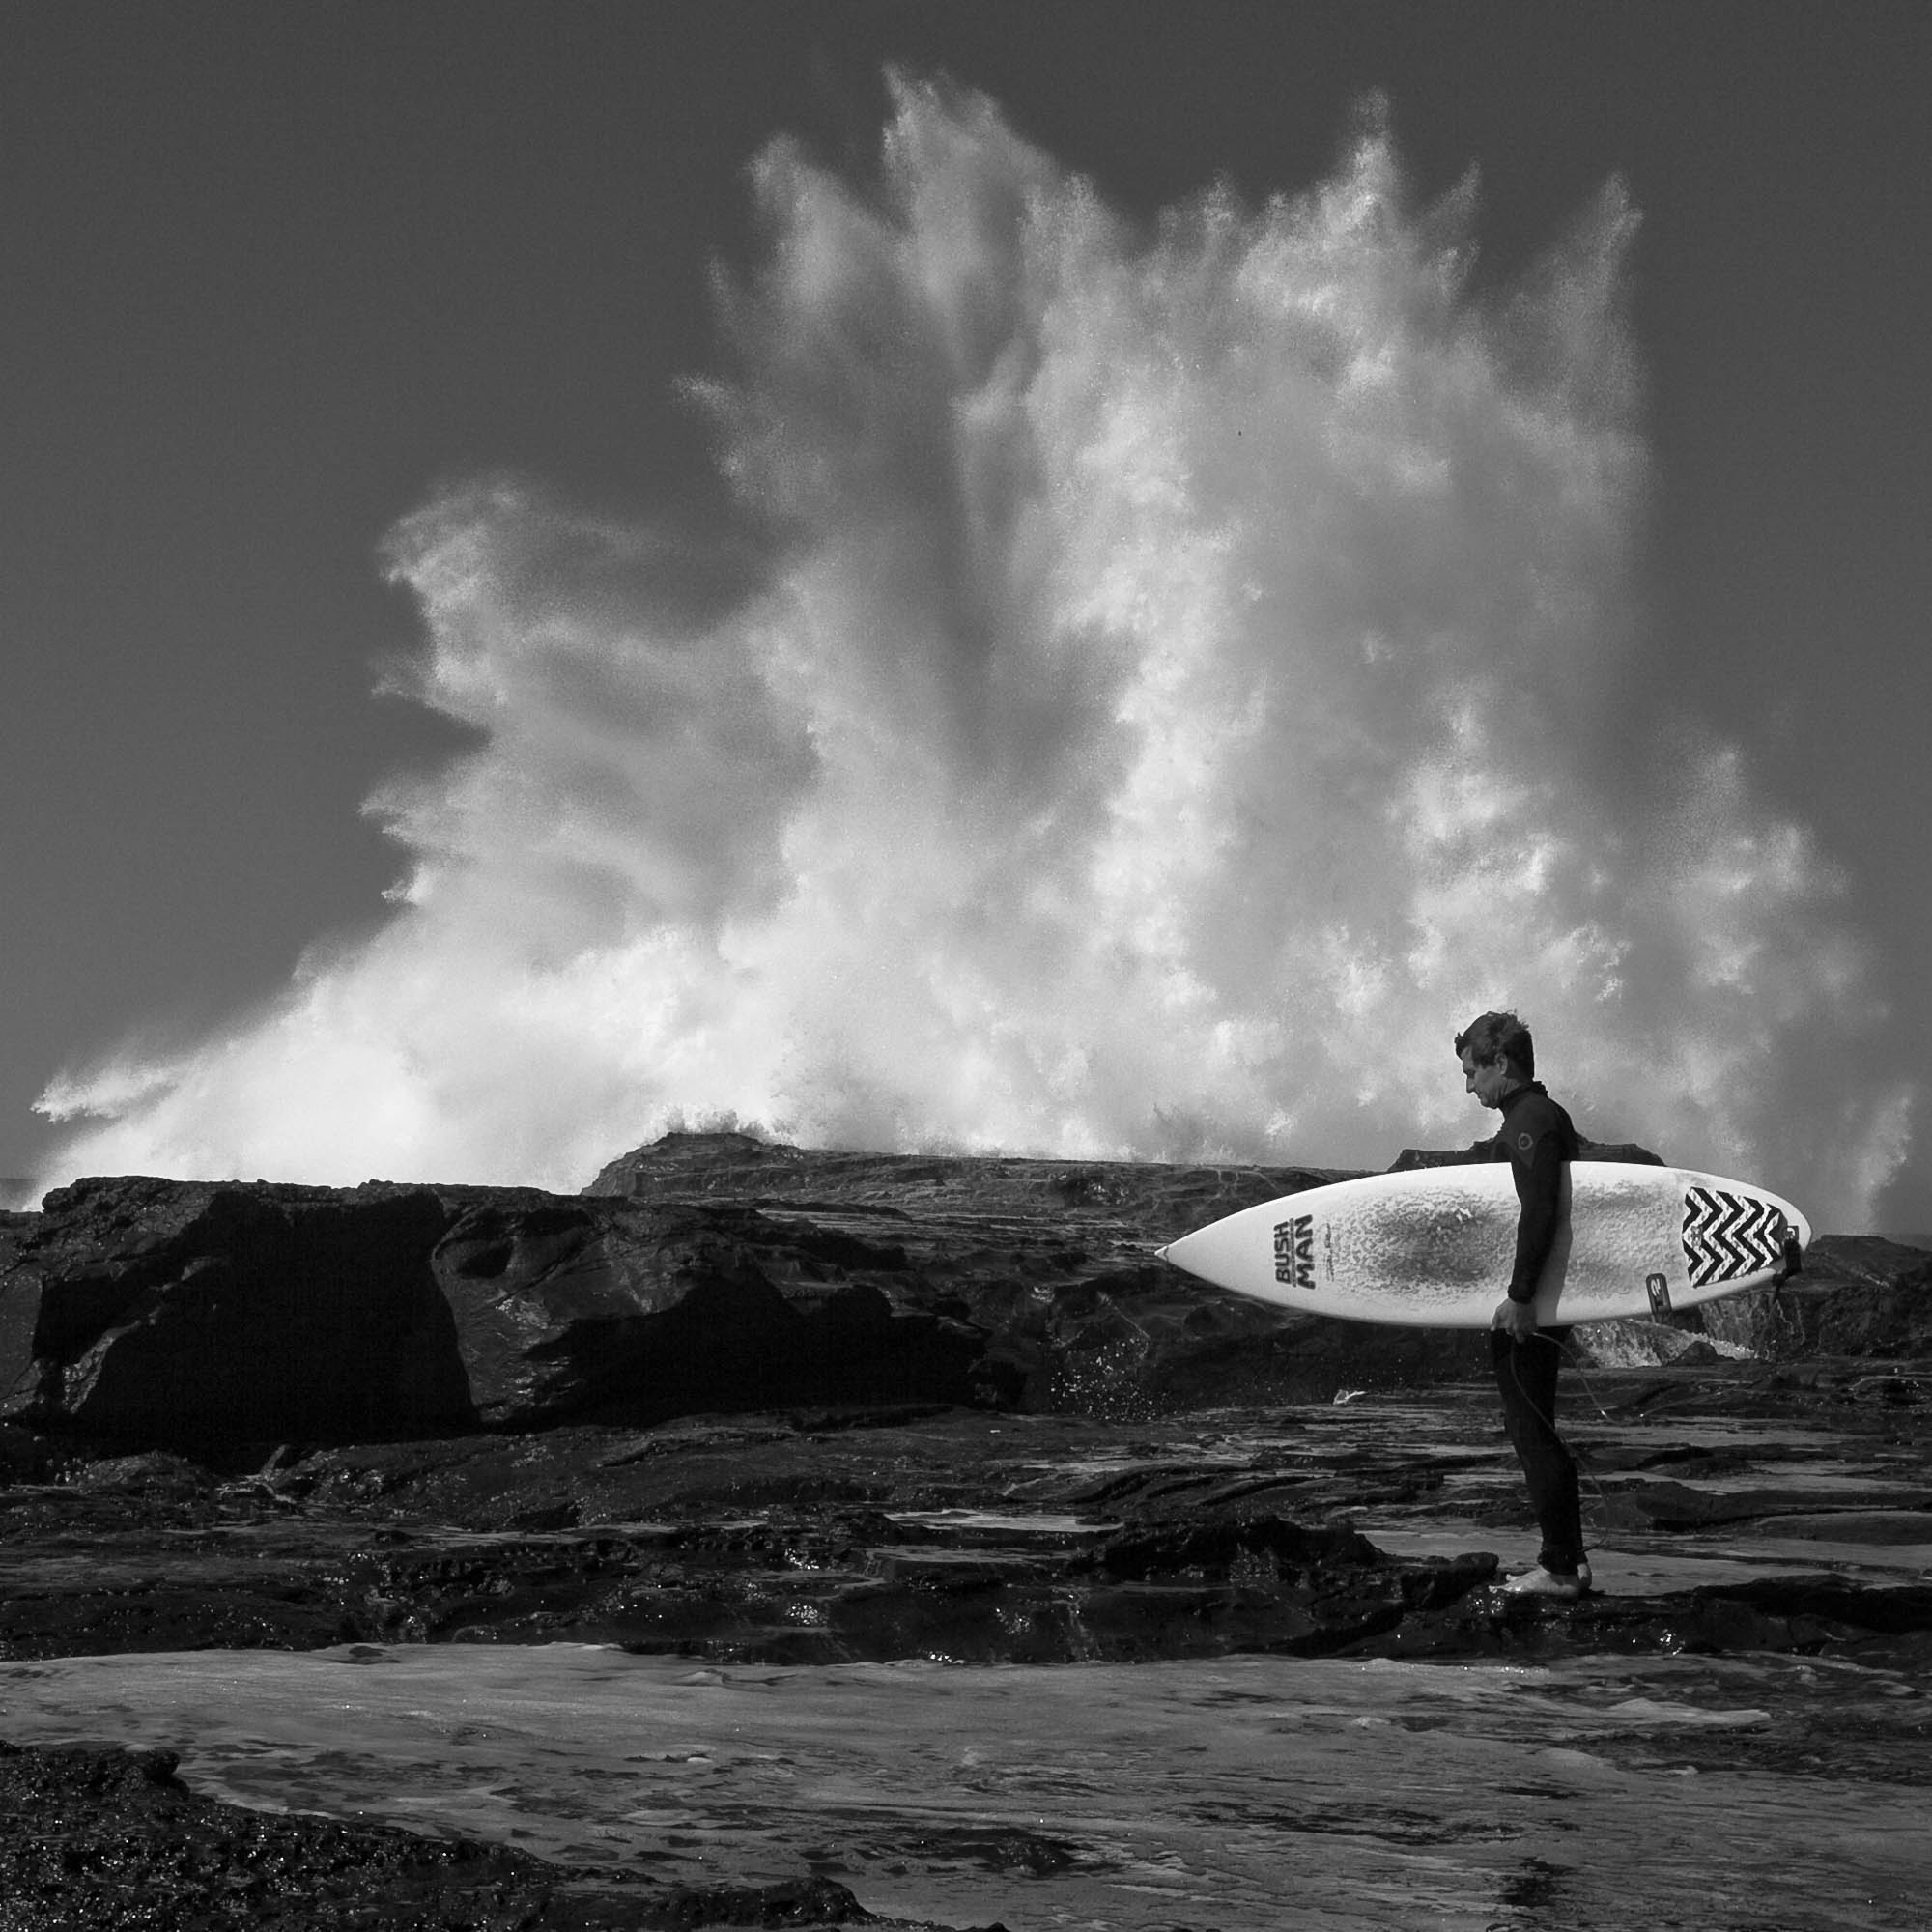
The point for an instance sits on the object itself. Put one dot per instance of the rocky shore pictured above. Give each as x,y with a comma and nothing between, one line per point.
746,1403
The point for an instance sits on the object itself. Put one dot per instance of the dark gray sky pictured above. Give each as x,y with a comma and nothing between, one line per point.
274,273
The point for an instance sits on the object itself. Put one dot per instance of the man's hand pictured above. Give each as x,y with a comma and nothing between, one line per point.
1516,1318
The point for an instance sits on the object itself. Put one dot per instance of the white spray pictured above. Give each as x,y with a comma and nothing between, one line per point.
1178,697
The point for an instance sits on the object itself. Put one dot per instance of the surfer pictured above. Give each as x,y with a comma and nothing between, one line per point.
1537,1139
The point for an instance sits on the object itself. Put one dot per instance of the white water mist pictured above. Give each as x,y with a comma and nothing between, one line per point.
1175,699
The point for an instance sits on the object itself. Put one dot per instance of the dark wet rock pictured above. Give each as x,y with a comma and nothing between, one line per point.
113,1841
643,1311
1677,1506
1887,1314
1051,1261
863,1535
1873,1530
105,1840
797,1539
1856,1296
1792,1617
711,1273
165,1313
726,1273
25,1457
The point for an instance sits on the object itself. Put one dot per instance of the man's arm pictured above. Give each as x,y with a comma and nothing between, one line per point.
1537,1172
1539,1182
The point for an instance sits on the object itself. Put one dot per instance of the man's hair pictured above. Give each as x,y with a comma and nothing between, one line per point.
1499,1036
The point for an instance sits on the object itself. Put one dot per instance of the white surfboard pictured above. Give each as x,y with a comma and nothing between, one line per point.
1434,1247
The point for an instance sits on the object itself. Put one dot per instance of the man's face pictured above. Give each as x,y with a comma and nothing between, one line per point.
1488,1080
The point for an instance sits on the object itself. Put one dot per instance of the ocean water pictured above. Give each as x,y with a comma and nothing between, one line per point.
1727,1794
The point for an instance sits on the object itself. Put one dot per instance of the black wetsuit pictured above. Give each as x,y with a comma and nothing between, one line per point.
1537,1140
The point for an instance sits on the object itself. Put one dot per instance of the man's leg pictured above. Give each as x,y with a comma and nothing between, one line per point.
1526,1380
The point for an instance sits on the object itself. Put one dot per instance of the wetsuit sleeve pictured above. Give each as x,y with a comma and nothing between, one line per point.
1539,1180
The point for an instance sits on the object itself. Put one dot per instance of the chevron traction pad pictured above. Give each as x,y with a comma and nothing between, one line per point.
1729,1234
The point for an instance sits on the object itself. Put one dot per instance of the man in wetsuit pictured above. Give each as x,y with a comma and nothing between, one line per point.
1537,1140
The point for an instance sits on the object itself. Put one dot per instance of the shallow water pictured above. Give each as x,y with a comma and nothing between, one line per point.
1772,1794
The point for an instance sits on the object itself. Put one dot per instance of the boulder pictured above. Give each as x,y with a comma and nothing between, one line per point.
1053,1262
170,1313
637,1311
